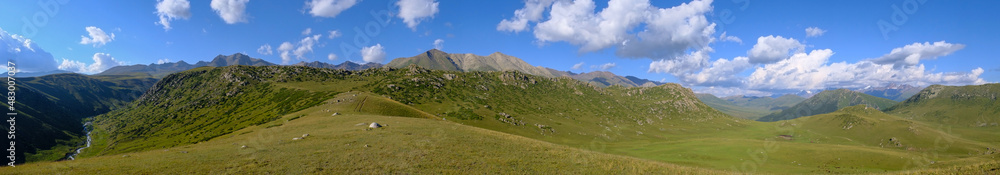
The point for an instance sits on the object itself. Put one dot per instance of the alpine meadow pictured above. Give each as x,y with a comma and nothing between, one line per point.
500,87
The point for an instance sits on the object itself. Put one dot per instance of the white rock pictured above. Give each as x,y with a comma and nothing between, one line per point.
374,125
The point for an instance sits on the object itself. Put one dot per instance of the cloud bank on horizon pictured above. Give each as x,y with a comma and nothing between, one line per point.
678,41
629,37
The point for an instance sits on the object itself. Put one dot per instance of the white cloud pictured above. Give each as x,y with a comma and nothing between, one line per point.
102,61
265,50
531,12
285,49
662,33
169,10
334,34
162,61
606,66
910,55
413,11
725,37
306,46
577,66
685,64
328,8
231,11
25,53
721,72
299,49
97,37
307,31
771,48
814,32
331,57
373,53
810,71
439,44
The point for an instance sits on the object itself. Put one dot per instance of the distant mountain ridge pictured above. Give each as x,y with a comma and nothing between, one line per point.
750,107
828,101
347,65
897,92
440,60
162,70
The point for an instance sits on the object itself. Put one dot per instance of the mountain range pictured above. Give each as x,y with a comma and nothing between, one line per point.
440,60
828,101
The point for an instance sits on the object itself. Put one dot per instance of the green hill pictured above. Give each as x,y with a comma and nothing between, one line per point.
51,109
341,144
828,101
965,106
970,110
489,121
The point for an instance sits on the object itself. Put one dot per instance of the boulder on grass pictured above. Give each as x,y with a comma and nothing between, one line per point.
374,125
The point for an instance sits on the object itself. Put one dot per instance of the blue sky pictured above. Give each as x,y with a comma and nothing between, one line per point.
766,48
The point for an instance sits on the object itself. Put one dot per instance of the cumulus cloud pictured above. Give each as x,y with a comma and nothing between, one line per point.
735,39
439,44
607,66
413,11
771,48
810,71
721,72
334,34
307,31
306,46
285,48
373,53
331,57
102,61
531,12
814,32
97,37
162,61
169,10
25,53
231,11
910,55
328,8
682,65
265,49
577,66
635,27
299,49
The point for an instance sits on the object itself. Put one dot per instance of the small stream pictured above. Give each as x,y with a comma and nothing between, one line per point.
86,129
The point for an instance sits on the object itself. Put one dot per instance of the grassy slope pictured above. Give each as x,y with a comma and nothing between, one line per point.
337,144
828,101
665,123
968,110
51,109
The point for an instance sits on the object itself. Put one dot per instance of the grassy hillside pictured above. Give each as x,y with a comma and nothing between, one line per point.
970,110
204,103
828,101
342,144
666,123
51,108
